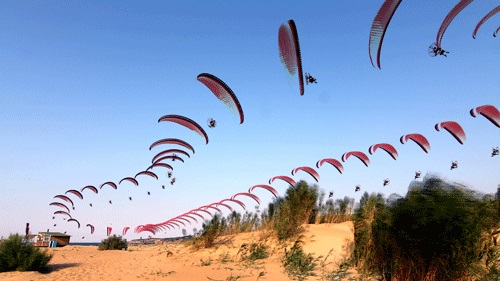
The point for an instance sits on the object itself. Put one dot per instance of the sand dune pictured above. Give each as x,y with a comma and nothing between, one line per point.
180,261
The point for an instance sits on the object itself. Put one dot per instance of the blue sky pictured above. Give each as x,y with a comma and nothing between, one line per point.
82,85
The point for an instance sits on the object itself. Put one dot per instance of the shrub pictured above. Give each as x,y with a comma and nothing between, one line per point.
439,231
294,210
211,230
113,242
15,254
254,251
298,265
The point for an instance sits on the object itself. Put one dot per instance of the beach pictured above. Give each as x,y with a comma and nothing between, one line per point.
329,243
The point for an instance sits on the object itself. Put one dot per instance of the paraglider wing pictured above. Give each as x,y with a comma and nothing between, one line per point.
167,151
484,19
65,198
189,216
419,139
235,201
164,165
92,228
223,93
75,192
125,229
379,27
253,196
308,170
264,186
358,154
148,173
489,112
289,180
203,210
449,18
110,183
288,42
454,129
222,204
72,219
130,179
386,147
496,31
172,141
59,205
334,162
62,213
184,121
172,157
91,187
108,230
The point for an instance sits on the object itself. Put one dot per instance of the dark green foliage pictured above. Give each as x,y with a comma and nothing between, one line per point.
439,231
254,251
294,210
15,254
211,230
298,265
113,242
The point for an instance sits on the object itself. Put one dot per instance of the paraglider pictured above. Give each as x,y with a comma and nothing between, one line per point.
434,50
169,174
253,196
172,181
417,174
148,173
454,165
75,192
358,154
386,147
125,229
92,228
289,180
494,151
62,213
67,199
310,79
112,184
266,187
334,162
59,205
163,186
108,230
211,123
379,27
149,193
93,188
110,202
386,182
484,19
222,91
167,151
358,188
288,42
489,112
436,47
130,198
419,139
330,195
172,141
454,129
308,170
186,122
74,221
130,179
90,204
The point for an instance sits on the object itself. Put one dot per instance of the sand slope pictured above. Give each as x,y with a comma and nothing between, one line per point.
179,261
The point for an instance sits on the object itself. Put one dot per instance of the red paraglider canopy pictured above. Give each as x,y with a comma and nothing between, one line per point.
184,121
288,41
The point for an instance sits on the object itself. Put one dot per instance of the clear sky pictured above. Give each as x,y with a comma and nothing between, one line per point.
83,83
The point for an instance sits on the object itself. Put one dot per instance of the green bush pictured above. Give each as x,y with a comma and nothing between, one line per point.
294,210
211,230
15,254
254,251
298,265
113,242
439,231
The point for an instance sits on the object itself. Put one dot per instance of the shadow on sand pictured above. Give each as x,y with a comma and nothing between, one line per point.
58,266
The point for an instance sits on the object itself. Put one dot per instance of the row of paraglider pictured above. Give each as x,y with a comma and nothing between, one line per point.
220,89
490,112
386,12
191,215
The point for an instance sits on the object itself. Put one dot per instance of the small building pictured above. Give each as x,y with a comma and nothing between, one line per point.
51,239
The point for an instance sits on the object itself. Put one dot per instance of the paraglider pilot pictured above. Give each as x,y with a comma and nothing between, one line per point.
495,151
454,165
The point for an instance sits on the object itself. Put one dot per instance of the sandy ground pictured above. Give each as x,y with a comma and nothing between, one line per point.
180,261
